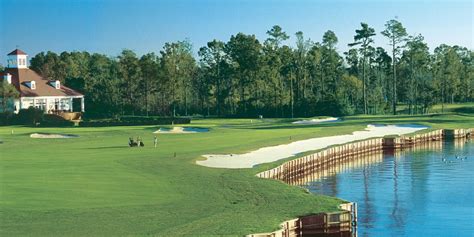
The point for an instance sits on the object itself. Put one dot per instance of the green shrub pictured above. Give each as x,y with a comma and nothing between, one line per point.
53,120
8,118
30,116
334,107
34,117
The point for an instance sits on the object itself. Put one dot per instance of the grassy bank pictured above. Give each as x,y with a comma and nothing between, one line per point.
95,185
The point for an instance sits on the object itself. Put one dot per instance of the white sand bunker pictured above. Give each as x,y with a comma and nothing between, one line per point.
176,130
316,121
49,135
274,153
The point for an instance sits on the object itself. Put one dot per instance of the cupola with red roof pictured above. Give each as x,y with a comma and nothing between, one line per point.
17,59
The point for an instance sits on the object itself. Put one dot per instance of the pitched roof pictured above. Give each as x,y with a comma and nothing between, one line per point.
21,76
17,52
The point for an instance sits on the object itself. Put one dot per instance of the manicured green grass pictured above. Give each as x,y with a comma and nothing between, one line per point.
438,108
95,185
456,108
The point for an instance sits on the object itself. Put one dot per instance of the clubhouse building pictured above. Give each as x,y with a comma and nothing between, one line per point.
35,91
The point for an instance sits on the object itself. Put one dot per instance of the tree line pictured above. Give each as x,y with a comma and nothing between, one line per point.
245,77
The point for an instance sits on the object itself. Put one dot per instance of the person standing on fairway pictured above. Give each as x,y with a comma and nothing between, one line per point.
155,141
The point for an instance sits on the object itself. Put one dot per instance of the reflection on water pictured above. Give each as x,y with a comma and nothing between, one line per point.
421,191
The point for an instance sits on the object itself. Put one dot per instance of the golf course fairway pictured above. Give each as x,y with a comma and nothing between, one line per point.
95,185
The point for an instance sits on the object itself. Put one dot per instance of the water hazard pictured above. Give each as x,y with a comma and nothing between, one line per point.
422,191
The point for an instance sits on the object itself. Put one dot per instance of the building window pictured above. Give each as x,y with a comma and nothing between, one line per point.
33,85
57,84
26,103
41,104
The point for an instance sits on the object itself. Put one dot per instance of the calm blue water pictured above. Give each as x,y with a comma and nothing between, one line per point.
410,193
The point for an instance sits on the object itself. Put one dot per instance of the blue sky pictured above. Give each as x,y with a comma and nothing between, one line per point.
108,26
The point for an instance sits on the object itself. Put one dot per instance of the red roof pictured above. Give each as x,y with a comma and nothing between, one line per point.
21,76
17,52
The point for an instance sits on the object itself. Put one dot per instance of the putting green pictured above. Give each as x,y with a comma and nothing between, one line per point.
95,185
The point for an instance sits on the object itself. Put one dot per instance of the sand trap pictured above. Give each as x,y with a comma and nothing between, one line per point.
176,130
49,135
316,121
274,153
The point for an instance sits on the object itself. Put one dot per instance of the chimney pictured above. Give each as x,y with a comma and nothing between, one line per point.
8,78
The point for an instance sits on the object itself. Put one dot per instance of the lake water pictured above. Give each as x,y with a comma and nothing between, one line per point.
423,191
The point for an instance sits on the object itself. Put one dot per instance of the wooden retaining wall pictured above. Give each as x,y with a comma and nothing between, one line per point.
458,133
317,224
352,162
290,172
293,172
407,141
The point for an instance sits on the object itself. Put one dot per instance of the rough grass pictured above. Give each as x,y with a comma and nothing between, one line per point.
95,185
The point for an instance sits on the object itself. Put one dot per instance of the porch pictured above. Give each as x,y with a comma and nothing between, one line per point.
52,104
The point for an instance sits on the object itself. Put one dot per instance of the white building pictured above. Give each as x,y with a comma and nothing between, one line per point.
35,91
